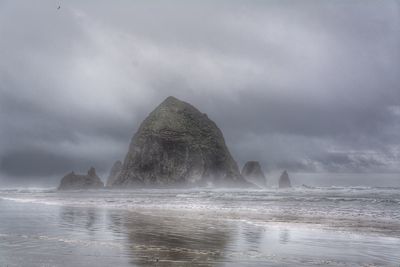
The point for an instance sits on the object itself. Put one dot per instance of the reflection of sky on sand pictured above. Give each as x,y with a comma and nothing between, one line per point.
70,236
284,236
301,245
181,240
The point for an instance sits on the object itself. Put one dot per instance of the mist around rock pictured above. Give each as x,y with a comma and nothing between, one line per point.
176,146
253,173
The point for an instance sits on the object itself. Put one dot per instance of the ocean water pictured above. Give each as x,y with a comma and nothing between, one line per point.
326,226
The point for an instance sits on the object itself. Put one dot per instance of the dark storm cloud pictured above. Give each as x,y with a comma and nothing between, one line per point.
40,163
310,86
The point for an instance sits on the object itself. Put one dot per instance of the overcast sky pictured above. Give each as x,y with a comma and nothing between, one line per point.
309,86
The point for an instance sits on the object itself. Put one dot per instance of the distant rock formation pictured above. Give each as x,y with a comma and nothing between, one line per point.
114,172
253,173
177,145
284,181
73,181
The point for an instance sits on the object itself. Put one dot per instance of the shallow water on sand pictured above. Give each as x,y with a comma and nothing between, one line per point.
324,227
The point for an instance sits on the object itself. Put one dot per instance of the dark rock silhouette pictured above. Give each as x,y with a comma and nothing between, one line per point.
253,173
114,172
73,181
284,181
178,145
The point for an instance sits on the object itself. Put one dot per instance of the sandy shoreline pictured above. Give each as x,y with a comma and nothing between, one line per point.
65,235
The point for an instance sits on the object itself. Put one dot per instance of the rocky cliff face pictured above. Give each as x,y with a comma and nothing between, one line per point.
114,172
178,145
73,181
253,173
284,181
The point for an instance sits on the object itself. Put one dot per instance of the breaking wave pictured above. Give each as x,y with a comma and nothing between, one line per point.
362,208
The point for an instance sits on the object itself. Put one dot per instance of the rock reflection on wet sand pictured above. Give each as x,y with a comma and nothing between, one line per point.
163,240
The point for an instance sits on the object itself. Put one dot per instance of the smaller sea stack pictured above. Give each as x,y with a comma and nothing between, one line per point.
253,173
73,181
284,181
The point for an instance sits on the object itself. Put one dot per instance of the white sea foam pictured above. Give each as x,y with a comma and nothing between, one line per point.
356,207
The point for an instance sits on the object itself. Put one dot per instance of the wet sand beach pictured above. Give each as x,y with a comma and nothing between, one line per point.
66,234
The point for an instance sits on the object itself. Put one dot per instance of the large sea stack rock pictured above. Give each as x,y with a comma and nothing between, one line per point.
73,181
114,172
253,173
284,181
177,145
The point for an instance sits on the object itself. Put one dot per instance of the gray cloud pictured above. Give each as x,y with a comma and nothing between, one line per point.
311,86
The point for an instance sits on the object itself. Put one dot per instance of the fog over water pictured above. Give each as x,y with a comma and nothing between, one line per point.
308,86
